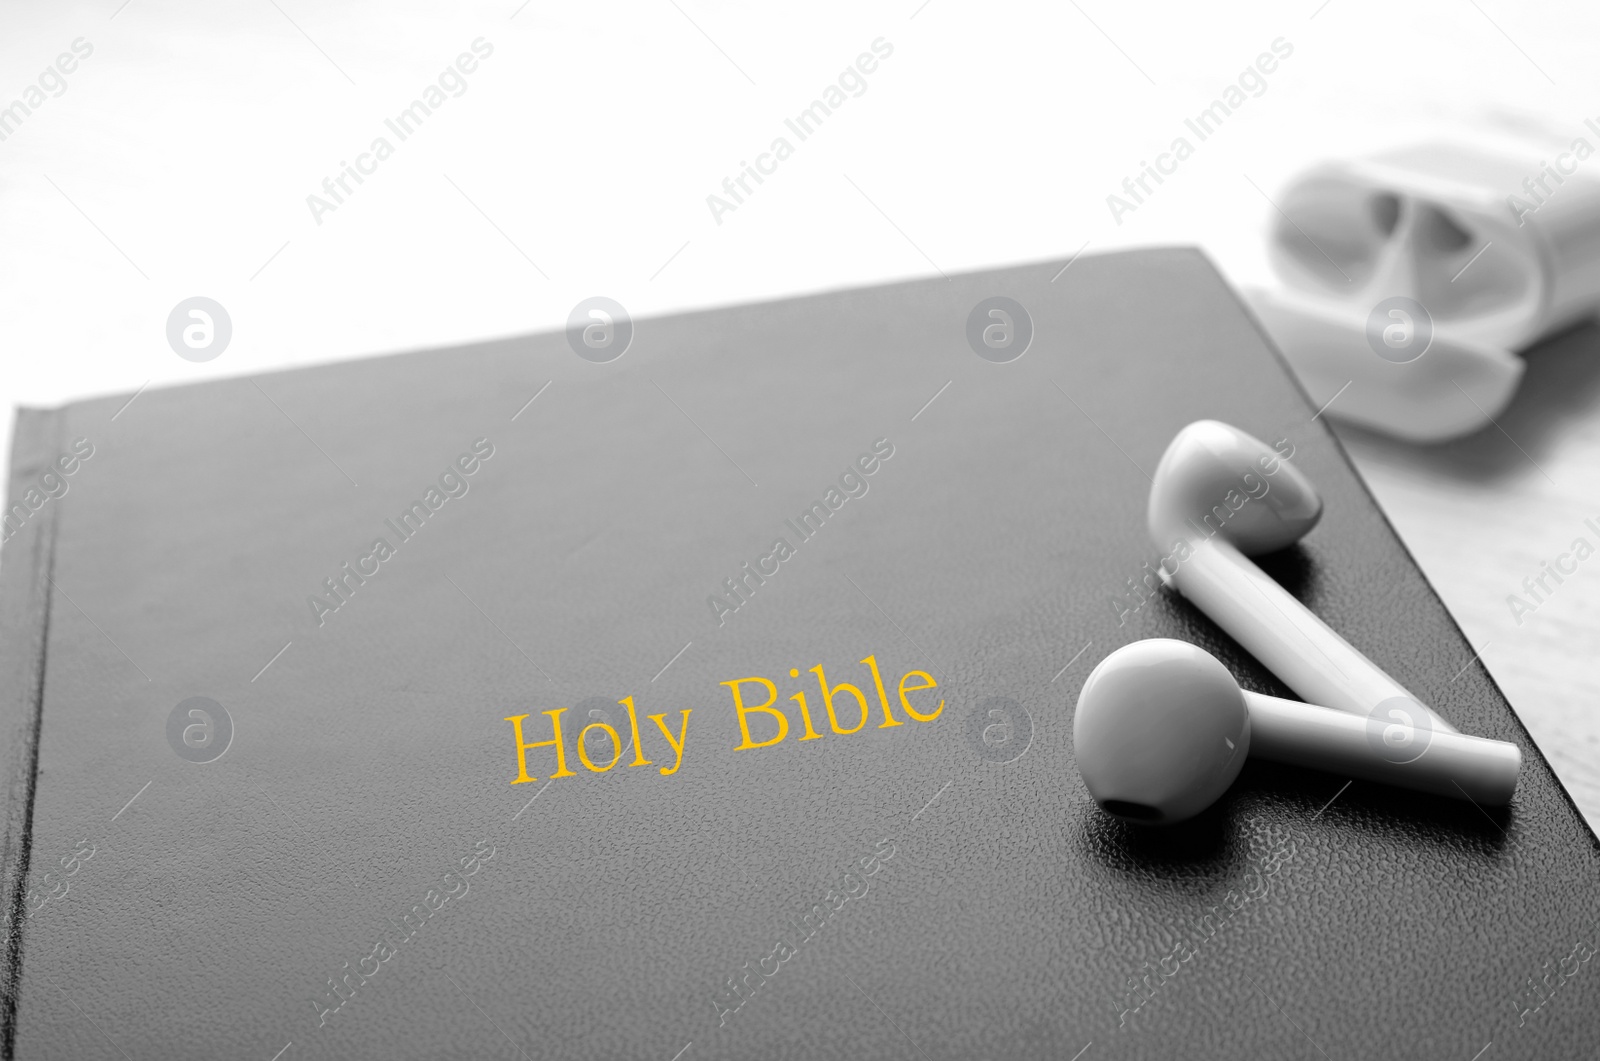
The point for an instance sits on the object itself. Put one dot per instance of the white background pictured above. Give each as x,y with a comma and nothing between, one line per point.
578,162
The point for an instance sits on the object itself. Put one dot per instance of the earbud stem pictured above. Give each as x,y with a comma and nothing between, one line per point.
1278,630
1449,764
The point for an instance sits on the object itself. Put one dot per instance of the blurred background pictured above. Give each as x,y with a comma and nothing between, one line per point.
577,157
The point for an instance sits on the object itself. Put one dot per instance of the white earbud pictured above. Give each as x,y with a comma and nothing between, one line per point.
1220,496
1162,729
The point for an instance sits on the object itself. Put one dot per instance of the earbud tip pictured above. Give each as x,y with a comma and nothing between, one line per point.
1214,478
1161,731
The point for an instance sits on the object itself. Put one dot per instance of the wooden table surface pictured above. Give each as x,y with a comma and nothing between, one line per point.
1483,513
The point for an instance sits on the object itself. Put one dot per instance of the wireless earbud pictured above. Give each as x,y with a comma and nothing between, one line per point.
1221,496
1162,729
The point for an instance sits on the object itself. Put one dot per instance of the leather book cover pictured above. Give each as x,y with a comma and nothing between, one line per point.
715,701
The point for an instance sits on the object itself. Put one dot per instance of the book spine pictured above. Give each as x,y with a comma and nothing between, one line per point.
26,595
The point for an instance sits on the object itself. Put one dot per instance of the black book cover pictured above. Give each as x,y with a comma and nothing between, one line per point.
261,639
